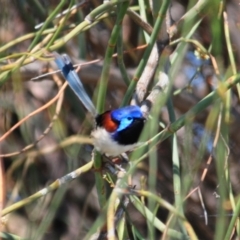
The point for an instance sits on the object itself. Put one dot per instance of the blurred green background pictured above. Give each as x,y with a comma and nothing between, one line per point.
194,167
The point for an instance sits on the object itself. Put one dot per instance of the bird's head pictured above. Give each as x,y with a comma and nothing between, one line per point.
124,124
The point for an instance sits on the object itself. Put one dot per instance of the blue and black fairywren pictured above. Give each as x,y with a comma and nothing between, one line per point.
117,131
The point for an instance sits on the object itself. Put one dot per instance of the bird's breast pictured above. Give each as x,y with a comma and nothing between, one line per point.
105,120
104,143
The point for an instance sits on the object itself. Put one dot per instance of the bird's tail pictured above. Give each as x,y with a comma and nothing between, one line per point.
65,65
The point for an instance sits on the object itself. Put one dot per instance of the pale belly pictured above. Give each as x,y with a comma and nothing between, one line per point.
105,144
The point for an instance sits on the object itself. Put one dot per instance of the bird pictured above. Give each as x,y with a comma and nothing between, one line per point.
116,131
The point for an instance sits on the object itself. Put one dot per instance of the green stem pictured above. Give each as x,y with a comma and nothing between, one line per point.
233,221
176,165
120,60
189,115
101,190
9,236
147,52
55,185
104,8
59,29
20,62
48,20
175,159
108,57
155,221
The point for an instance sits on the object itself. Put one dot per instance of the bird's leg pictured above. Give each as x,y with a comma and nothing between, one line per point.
114,163
124,158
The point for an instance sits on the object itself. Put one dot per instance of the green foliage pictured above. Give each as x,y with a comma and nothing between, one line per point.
170,174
